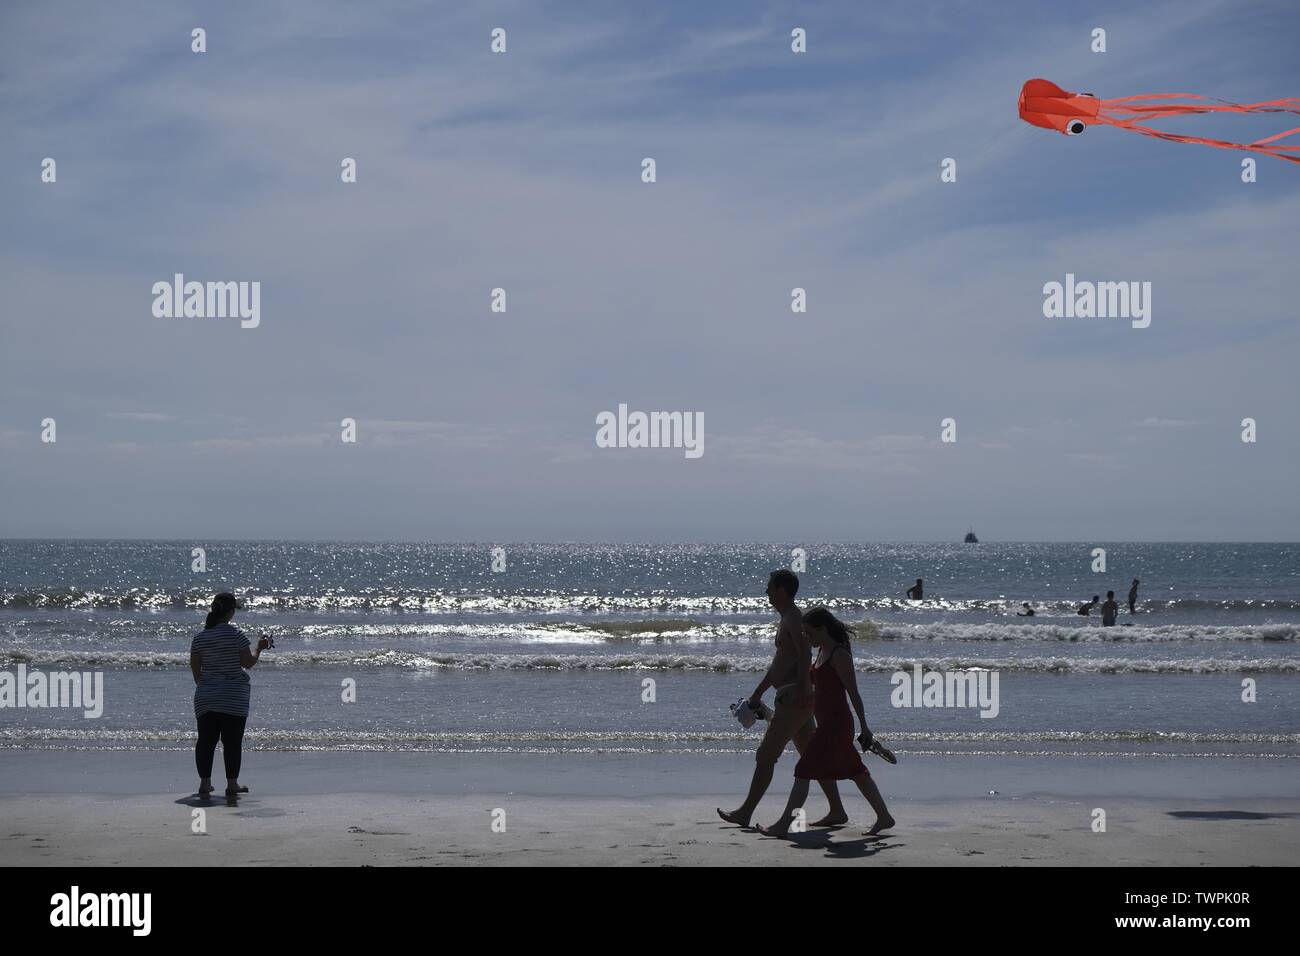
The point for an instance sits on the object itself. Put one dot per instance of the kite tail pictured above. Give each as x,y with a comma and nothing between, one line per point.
1126,111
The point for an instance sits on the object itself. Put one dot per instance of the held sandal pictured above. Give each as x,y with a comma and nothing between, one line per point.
881,751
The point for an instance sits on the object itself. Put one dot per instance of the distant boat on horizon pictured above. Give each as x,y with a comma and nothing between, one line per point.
970,537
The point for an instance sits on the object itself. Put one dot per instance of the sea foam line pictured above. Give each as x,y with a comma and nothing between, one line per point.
663,632
382,657
526,749
279,734
463,602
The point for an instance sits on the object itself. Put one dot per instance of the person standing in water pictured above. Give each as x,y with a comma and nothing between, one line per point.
916,591
219,660
1084,609
830,753
1133,597
792,718
1027,612
1109,610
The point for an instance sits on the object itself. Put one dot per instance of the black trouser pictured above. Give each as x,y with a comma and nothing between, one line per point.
227,727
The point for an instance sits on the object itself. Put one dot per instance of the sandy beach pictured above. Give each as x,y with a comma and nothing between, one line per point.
134,808
372,829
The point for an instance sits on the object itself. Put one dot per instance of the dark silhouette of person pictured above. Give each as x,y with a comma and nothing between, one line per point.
915,592
1027,612
830,753
792,716
220,660
1133,597
1085,608
1109,610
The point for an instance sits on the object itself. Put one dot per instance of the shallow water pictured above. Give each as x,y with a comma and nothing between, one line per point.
553,653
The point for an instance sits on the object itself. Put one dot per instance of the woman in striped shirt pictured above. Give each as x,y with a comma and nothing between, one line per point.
219,656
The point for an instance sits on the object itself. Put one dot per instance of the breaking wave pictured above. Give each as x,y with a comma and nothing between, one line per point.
424,660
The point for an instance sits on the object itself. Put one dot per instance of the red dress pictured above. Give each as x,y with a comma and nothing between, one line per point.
830,755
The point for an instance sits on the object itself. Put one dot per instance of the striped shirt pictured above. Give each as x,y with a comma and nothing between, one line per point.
223,684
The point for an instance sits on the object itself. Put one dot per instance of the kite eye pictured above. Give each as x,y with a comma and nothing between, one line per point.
1075,127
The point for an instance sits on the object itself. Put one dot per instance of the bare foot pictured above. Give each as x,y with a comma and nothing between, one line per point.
779,830
733,816
831,820
884,823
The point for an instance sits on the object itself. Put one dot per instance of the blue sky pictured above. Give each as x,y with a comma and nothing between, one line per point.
522,171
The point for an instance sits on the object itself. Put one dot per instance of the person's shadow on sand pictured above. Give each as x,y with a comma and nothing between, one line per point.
867,846
858,849
215,800
235,801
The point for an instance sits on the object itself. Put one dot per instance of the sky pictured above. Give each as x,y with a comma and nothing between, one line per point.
523,171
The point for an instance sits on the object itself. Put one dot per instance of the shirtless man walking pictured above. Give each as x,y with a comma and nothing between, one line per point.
792,717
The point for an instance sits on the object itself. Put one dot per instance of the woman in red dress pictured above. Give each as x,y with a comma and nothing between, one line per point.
830,754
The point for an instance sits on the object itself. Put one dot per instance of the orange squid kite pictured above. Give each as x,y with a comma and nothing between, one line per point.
1045,104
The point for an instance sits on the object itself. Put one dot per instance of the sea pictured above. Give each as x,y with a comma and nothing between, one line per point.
639,649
